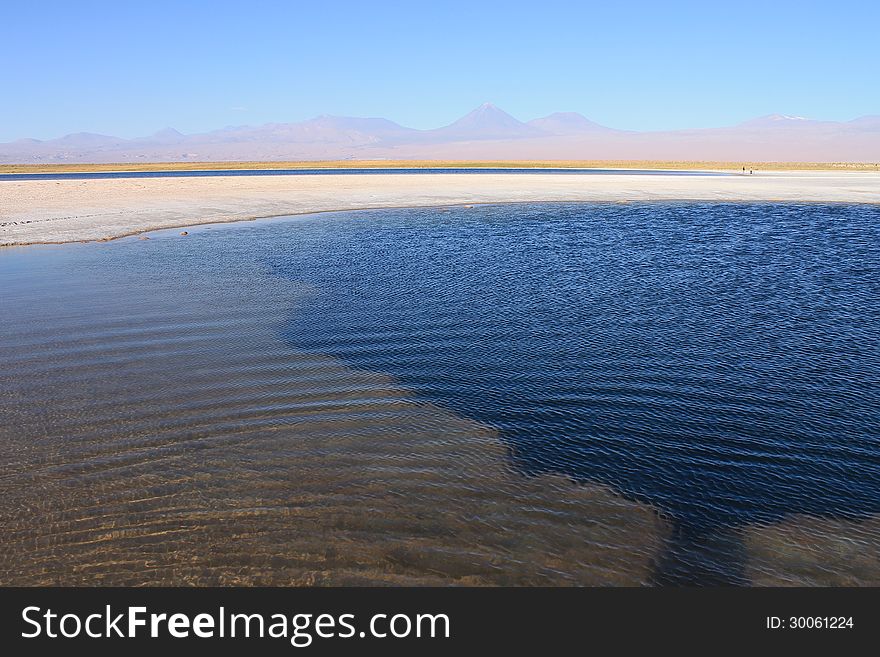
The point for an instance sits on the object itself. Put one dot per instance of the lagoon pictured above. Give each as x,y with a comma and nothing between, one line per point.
566,393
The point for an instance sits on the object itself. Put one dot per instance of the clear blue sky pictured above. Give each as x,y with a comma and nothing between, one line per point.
129,69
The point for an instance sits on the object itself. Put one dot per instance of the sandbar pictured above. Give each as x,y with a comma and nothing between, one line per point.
59,211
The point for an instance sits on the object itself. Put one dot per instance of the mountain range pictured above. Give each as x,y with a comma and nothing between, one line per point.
483,134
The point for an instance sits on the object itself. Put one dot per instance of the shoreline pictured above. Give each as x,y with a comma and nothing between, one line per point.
291,215
78,210
658,165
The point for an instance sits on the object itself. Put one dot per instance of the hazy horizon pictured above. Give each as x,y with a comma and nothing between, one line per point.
128,71
159,129
485,133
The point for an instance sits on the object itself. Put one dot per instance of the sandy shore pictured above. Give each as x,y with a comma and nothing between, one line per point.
52,211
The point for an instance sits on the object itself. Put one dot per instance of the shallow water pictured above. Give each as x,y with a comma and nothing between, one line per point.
539,394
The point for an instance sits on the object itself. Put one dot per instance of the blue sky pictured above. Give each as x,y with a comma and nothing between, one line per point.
129,69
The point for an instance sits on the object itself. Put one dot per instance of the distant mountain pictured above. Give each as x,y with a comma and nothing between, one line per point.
867,123
377,127
484,133
486,122
776,120
567,123
321,129
87,139
165,136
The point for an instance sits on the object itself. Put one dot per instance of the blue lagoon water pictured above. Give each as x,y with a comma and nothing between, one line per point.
649,393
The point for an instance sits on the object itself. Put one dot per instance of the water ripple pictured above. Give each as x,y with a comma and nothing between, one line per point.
540,394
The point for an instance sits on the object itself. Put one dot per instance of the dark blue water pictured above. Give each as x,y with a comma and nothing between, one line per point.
99,175
718,361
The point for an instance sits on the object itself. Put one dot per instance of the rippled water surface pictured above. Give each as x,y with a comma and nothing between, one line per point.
658,393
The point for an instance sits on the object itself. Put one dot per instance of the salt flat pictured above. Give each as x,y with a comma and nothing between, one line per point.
53,211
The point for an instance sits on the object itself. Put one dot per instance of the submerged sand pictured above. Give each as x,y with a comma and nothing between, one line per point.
161,431
52,211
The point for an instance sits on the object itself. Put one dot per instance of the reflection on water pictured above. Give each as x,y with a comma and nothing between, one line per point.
550,394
